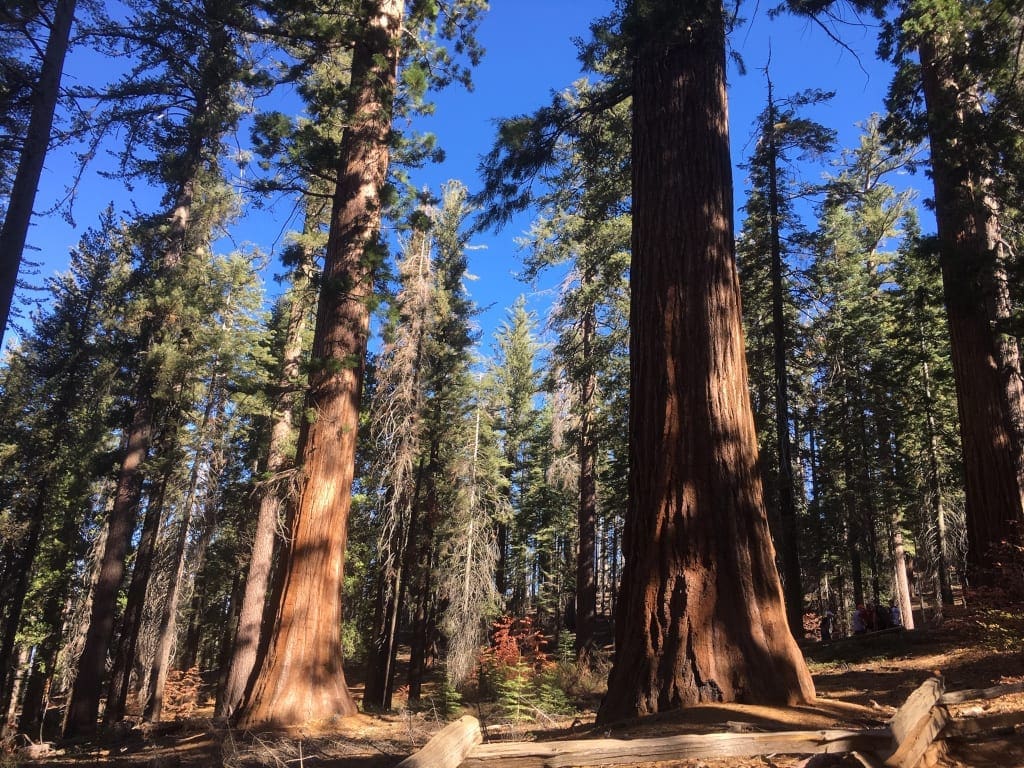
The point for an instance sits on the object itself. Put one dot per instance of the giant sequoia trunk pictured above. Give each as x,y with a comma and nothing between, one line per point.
301,677
701,616
992,449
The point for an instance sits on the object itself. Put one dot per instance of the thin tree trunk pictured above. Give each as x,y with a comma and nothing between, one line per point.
167,631
257,580
380,681
301,677
188,657
21,672
83,705
423,581
902,583
934,483
131,622
701,615
16,601
33,153
586,585
789,532
850,506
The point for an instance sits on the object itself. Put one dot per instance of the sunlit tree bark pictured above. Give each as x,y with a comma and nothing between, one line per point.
701,615
300,676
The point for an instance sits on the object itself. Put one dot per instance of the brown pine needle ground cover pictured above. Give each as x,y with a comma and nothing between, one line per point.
860,683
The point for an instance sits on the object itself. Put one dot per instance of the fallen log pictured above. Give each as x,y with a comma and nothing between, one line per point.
448,747
984,725
607,752
972,694
916,724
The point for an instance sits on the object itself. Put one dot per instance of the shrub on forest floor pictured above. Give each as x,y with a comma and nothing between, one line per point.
519,673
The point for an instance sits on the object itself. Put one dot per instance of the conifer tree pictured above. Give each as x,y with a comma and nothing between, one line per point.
701,615
516,383
293,319
468,554
397,411
187,164
584,223
957,96
862,217
420,430
59,396
766,248
22,193
300,675
928,414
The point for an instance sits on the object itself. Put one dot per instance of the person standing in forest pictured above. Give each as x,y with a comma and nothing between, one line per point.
828,625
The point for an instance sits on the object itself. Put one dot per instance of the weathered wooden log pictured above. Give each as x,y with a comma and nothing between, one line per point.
608,752
972,694
916,724
448,747
984,725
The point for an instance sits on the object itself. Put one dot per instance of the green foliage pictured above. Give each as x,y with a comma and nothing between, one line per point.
448,702
515,692
518,672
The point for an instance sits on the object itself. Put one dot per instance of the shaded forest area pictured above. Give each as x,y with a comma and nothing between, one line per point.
770,474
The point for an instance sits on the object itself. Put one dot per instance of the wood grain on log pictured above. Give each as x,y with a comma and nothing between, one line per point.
607,752
972,694
916,724
448,747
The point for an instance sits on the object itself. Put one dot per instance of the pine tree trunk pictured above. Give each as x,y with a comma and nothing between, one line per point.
169,614
16,600
380,681
84,703
257,580
991,448
189,654
586,584
20,672
33,153
701,615
902,583
301,677
934,483
212,417
423,580
785,487
850,506
131,622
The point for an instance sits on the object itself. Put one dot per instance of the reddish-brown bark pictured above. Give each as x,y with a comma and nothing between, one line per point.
986,399
301,677
701,616
257,580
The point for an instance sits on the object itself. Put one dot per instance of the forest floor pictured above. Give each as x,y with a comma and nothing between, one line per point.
860,682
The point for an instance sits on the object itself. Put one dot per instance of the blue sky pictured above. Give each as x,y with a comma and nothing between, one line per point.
530,53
